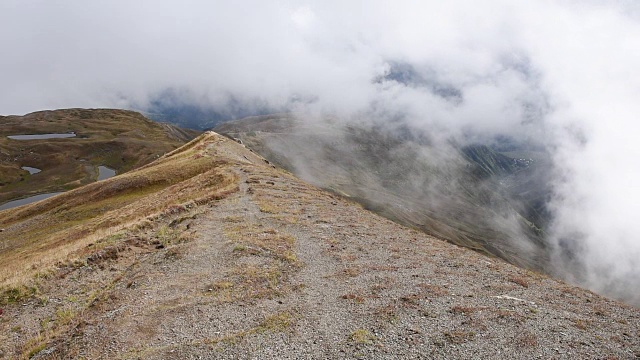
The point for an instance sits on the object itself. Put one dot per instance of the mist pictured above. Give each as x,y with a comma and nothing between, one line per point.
560,76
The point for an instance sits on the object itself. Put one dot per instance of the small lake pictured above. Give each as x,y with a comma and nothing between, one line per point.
41,136
105,173
29,200
31,170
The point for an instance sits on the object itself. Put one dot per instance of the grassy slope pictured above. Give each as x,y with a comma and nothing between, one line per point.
119,139
37,235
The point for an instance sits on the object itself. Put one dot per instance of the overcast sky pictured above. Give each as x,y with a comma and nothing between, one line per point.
564,72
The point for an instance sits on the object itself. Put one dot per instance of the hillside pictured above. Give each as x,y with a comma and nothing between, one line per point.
211,252
118,139
469,195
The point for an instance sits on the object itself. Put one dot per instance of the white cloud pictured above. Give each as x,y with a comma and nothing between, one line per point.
303,17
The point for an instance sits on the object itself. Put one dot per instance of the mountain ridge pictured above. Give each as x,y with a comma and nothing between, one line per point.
259,264
454,192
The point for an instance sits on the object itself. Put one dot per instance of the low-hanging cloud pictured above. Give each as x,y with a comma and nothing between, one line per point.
562,74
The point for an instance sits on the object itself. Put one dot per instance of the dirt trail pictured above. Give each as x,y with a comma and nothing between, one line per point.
283,270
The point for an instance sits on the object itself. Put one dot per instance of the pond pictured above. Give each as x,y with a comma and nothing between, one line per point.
105,173
41,136
31,170
29,200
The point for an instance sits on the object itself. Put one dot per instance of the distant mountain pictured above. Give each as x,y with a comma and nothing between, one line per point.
490,163
186,116
178,108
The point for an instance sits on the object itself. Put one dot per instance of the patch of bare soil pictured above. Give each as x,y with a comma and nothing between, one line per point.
281,269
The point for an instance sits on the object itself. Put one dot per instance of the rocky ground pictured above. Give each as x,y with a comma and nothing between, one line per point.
280,269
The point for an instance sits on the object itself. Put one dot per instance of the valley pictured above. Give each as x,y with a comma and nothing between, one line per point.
74,147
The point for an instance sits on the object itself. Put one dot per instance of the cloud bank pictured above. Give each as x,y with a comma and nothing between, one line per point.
562,74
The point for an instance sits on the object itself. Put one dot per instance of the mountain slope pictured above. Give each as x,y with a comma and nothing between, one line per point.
445,190
119,139
262,265
33,235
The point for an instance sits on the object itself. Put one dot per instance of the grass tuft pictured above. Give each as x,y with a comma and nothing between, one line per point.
362,336
276,322
459,337
16,294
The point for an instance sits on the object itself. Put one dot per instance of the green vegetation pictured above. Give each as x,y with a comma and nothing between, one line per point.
362,336
167,235
119,139
64,316
276,322
15,294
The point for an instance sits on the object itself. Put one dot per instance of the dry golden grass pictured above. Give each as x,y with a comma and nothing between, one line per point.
581,324
459,336
359,299
362,336
249,282
40,234
249,238
278,322
50,328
